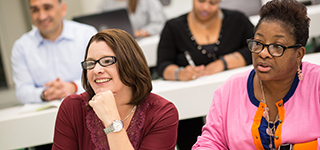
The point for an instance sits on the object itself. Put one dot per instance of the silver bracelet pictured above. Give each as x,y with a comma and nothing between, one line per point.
176,73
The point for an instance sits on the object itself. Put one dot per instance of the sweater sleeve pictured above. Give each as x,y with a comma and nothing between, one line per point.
26,90
64,133
167,53
161,127
213,136
247,32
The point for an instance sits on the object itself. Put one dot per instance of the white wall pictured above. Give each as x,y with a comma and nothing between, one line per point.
13,23
74,8
89,6
176,7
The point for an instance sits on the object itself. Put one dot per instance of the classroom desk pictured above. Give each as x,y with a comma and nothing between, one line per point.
149,46
192,99
26,130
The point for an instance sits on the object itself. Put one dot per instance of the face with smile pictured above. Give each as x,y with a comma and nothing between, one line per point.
47,15
268,67
104,78
204,10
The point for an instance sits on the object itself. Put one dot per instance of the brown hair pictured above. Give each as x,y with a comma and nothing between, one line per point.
131,62
291,14
132,5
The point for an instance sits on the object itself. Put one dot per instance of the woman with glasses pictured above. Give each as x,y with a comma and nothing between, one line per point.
117,111
277,104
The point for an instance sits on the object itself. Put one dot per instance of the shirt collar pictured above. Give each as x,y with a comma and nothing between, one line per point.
65,34
256,102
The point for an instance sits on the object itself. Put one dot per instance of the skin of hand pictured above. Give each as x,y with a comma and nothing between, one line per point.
141,33
58,89
188,72
214,67
104,105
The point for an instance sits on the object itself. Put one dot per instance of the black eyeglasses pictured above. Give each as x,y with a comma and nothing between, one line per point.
104,61
274,50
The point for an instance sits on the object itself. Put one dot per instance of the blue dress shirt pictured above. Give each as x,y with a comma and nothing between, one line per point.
37,61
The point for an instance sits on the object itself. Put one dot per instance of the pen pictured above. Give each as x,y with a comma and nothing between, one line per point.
189,59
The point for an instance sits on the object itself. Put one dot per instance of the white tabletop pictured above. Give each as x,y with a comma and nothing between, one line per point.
193,98
26,130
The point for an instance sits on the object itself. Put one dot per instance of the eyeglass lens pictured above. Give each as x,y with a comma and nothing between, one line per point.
274,49
104,61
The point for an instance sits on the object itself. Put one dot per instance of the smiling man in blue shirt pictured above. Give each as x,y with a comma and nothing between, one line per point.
46,60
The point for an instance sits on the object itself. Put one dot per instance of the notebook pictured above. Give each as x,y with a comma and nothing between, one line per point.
110,19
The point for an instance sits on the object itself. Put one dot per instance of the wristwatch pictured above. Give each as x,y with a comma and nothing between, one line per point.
116,126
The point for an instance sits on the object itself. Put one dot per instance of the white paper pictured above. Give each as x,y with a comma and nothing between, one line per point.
27,108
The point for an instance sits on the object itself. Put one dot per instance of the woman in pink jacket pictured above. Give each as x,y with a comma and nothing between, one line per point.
277,104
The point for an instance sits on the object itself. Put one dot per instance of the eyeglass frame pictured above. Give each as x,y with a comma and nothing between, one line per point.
267,45
98,61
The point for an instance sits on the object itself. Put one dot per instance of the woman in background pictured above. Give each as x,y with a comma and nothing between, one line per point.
276,105
117,111
147,16
215,40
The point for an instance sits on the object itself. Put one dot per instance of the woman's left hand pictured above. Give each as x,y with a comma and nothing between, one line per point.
104,105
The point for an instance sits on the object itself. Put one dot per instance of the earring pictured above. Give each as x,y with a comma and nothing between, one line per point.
300,75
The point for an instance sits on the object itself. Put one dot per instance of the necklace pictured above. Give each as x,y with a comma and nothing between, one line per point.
270,130
212,55
129,114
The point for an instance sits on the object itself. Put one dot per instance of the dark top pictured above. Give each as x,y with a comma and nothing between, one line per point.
153,126
176,38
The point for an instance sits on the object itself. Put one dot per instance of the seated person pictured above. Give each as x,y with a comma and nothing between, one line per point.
117,111
45,61
147,16
209,35
214,43
276,104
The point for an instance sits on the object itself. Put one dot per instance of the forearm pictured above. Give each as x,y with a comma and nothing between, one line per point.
169,72
28,94
27,90
229,61
234,60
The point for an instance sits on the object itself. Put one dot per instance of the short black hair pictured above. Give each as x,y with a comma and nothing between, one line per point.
58,0
291,13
